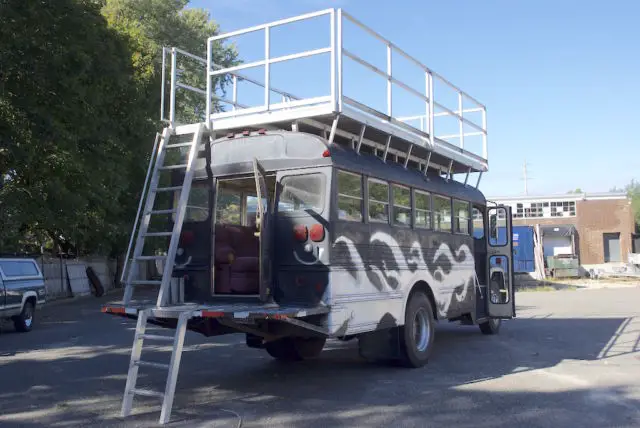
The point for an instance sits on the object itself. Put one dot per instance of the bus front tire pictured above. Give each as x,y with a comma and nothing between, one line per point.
490,327
295,348
417,333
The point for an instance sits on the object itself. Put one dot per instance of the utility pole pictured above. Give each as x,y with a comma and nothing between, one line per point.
525,177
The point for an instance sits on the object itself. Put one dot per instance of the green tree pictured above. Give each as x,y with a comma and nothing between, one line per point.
577,190
633,191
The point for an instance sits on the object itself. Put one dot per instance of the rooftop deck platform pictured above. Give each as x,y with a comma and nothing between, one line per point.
412,115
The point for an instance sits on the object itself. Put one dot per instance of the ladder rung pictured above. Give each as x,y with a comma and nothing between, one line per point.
145,282
175,146
158,212
152,364
151,257
167,167
169,189
158,234
147,393
156,337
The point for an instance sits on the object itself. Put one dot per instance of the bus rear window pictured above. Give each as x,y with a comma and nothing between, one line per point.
301,193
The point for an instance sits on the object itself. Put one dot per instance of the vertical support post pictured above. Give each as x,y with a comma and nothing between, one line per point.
174,78
333,59
209,92
479,177
389,83
360,138
386,149
485,151
426,165
235,91
339,55
466,179
164,76
449,170
334,127
406,161
431,112
460,120
267,63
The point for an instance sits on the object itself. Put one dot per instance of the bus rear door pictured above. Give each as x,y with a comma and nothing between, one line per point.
500,291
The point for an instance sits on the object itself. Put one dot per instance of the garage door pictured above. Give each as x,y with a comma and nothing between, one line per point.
556,245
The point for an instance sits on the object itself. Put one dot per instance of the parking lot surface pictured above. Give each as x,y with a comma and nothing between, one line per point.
570,359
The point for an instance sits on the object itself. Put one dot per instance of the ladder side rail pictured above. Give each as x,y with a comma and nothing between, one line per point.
132,374
180,215
142,197
144,224
174,367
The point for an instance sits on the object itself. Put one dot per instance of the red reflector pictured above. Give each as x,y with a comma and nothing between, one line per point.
326,154
212,314
186,238
300,232
316,232
498,261
246,133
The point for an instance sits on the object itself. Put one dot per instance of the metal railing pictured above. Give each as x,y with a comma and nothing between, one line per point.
175,82
435,108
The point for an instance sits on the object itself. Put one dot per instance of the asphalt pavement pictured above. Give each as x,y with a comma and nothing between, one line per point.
570,359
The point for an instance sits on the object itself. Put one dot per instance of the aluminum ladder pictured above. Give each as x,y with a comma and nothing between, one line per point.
136,362
156,166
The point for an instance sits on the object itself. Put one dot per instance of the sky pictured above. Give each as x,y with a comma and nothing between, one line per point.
559,78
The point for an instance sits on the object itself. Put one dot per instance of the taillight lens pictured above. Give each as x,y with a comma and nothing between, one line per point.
300,232
316,232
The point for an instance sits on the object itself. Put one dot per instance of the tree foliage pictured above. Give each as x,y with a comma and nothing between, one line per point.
633,191
79,98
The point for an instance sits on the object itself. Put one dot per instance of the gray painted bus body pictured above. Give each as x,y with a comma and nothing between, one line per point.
363,270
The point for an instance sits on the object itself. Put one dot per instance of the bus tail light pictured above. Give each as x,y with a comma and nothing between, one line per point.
300,232
316,232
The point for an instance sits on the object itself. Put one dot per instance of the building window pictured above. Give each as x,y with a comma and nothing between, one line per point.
378,201
349,196
423,209
401,206
461,213
442,213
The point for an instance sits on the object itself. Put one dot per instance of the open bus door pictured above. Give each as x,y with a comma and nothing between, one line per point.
500,289
263,232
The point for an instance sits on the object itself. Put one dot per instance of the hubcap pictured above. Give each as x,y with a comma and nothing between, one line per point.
28,316
421,330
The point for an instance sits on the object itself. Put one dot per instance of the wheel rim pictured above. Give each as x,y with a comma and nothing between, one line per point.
421,330
28,316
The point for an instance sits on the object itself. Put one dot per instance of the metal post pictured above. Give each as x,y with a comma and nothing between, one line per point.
426,165
427,104
389,82
208,102
466,179
339,54
334,127
267,85
485,149
460,120
235,91
431,112
479,177
386,149
174,78
333,59
164,65
450,168
406,161
361,137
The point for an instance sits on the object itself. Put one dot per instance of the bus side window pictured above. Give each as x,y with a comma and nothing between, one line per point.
478,223
349,196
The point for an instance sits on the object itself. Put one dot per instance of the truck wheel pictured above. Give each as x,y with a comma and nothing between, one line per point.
295,348
417,333
24,322
490,327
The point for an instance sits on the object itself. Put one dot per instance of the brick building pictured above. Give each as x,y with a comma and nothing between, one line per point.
597,227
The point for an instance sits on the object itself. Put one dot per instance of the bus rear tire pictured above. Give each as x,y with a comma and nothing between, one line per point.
490,327
417,333
295,348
